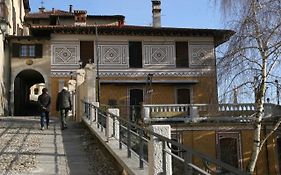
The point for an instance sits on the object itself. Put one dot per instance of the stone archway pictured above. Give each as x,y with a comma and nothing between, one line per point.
23,105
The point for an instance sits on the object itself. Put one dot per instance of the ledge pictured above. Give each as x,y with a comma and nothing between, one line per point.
129,164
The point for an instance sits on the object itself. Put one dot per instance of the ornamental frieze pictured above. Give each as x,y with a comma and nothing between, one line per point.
113,55
159,55
202,55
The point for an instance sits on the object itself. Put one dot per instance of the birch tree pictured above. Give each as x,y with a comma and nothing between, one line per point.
252,58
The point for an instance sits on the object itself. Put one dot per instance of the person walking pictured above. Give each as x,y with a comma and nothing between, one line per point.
44,106
63,105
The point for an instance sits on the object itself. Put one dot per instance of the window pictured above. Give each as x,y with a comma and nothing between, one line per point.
3,9
182,54
228,148
86,52
135,54
177,137
136,98
27,50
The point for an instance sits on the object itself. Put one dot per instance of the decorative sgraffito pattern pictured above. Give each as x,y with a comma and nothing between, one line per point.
159,55
111,55
202,55
64,54
65,58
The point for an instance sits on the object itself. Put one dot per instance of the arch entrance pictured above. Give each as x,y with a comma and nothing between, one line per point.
27,87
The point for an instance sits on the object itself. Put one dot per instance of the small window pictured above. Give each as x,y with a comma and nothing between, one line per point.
27,50
182,55
135,54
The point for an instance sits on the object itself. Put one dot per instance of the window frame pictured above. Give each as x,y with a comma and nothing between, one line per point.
234,135
27,50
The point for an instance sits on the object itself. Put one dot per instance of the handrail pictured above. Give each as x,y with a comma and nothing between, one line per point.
188,152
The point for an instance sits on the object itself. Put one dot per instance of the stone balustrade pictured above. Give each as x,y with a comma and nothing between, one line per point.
206,110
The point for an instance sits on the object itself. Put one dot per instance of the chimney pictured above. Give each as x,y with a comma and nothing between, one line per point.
70,8
156,13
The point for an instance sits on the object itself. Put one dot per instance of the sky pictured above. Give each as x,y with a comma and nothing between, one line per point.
175,13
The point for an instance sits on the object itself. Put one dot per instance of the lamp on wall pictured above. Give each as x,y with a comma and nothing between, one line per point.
3,26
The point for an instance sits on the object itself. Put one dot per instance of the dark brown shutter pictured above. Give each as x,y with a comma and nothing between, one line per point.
86,52
183,96
182,54
16,50
38,50
135,54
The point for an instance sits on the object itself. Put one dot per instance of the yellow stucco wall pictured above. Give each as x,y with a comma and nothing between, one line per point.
204,141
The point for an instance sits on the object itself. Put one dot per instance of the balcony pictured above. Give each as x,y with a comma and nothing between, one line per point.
206,112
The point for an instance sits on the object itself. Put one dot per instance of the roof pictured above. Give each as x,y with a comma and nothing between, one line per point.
47,14
62,13
220,35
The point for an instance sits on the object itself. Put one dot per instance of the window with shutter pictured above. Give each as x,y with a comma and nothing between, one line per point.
182,54
27,50
135,54
86,52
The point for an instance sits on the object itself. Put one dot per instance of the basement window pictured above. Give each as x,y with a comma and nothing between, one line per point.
27,50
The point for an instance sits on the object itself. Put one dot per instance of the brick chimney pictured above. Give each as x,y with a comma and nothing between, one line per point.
156,13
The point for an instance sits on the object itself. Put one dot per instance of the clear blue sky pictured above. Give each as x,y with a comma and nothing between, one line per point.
175,13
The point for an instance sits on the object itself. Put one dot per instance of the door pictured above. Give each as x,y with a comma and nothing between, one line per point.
136,99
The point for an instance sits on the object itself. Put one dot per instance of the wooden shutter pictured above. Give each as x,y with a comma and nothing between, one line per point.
86,52
183,96
16,50
38,50
135,54
182,54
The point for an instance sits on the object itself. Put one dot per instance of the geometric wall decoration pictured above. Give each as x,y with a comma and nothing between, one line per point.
65,56
159,55
113,55
65,53
202,55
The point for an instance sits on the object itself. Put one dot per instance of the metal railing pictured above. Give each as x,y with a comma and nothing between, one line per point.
135,139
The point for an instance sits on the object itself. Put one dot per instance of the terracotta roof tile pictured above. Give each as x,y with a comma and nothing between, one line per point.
219,35
47,14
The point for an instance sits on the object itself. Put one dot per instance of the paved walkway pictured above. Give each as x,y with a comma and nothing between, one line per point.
25,149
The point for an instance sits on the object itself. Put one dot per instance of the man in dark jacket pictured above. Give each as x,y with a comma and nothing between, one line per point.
44,101
63,105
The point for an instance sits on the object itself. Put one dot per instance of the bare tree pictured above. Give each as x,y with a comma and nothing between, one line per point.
252,57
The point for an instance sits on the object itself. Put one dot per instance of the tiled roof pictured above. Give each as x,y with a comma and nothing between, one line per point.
47,14
62,13
219,35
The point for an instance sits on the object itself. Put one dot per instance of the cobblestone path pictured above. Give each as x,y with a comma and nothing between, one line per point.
26,150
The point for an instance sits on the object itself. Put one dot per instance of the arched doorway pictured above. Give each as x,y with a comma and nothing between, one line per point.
24,103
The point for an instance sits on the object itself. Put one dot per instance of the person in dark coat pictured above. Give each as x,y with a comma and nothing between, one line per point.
63,105
44,101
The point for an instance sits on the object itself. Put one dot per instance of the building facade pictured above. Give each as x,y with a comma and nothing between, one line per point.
136,66
11,20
